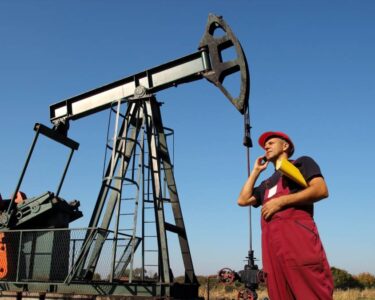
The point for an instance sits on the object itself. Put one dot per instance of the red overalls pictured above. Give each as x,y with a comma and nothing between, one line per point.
293,256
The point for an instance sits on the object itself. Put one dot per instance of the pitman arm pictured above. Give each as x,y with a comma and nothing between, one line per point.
207,63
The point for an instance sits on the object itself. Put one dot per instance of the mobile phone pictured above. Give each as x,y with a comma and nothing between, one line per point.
264,160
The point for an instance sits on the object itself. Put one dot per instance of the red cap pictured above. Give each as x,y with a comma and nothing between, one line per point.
269,134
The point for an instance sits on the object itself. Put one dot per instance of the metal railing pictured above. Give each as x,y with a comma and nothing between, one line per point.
52,255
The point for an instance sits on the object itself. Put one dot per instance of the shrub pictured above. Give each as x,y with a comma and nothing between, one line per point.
343,280
367,280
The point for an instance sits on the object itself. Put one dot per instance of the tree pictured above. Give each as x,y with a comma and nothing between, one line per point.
343,280
137,273
367,280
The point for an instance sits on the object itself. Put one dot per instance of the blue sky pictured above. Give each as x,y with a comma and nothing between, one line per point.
312,72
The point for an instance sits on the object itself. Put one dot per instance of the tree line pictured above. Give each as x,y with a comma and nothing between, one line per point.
344,280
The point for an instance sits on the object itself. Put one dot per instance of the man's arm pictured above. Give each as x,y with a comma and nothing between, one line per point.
316,190
246,195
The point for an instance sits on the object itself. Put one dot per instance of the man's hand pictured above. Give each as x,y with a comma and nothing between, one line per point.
259,166
271,207
246,195
316,191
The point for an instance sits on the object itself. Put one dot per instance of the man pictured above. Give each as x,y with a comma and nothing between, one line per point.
293,257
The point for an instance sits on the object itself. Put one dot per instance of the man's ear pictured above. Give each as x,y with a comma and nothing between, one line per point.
286,146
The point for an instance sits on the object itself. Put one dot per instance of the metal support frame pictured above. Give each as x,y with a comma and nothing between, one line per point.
160,153
55,136
152,126
143,113
206,63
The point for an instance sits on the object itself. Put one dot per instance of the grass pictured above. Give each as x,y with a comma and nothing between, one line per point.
221,291
354,294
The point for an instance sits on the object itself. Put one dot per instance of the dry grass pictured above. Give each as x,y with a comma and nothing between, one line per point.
220,292
366,294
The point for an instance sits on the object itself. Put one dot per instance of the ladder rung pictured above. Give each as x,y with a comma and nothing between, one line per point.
122,245
149,222
126,138
151,250
151,265
127,214
149,236
112,187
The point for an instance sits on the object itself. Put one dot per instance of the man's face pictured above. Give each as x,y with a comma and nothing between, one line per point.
274,148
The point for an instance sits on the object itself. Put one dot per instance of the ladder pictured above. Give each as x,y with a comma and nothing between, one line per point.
127,203
122,150
141,116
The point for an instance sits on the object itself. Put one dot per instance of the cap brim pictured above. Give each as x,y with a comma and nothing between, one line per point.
265,136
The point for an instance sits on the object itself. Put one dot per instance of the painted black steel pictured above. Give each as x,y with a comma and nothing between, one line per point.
221,69
64,172
185,69
179,226
56,136
12,203
152,125
142,109
114,184
207,62
105,187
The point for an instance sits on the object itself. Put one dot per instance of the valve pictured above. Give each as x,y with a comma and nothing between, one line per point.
247,294
226,276
250,276
261,276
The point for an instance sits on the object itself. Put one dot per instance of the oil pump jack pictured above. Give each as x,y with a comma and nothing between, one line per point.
39,253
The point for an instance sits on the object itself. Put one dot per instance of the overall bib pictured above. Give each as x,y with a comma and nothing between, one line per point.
294,260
